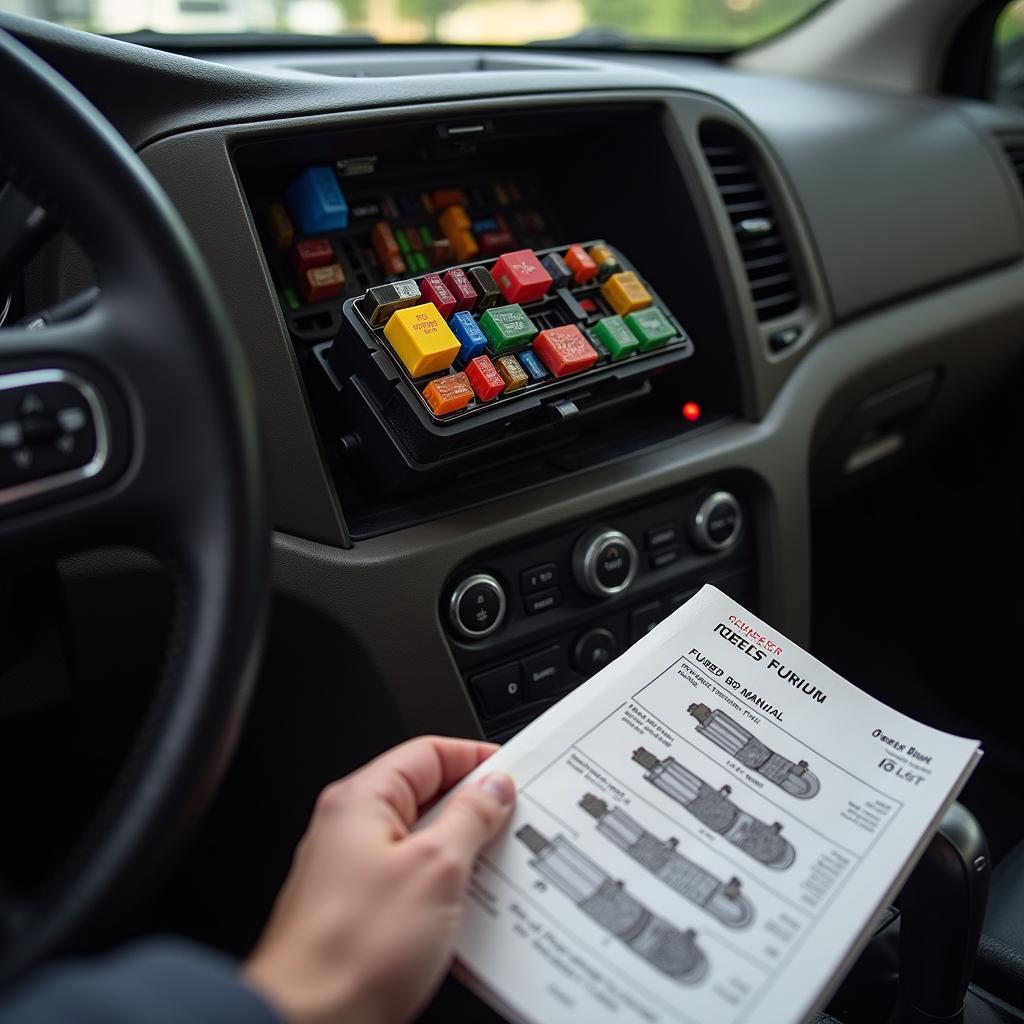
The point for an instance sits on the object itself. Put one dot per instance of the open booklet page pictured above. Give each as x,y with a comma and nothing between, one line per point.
705,832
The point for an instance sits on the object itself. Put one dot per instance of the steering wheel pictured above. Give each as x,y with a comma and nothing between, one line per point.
131,423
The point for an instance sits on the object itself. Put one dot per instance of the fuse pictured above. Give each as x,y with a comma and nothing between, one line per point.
651,327
616,337
484,378
448,394
413,238
507,327
421,339
440,252
471,338
322,283
279,224
464,245
561,275
434,290
521,277
442,198
511,372
458,284
492,242
564,350
312,252
582,266
485,224
365,210
607,264
382,238
316,201
488,293
379,303
417,262
403,242
533,366
625,293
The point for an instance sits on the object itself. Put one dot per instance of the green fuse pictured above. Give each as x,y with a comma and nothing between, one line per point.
290,299
426,236
507,327
403,242
651,327
417,262
613,333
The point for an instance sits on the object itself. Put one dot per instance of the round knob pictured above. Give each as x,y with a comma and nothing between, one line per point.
593,650
604,562
717,522
477,606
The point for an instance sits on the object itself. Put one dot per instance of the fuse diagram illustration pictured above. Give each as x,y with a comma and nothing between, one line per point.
714,809
606,902
743,745
722,900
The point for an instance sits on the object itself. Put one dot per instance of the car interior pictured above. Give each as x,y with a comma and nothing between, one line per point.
361,384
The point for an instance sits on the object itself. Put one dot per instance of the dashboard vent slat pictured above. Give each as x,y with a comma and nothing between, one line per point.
1013,147
763,248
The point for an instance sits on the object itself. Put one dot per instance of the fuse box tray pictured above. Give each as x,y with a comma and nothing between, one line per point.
368,369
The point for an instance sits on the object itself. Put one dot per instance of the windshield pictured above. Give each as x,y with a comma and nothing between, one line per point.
683,24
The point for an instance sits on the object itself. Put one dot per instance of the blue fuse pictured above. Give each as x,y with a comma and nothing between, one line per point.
486,224
533,366
316,202
471,338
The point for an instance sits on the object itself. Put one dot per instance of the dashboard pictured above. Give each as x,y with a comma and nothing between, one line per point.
837,270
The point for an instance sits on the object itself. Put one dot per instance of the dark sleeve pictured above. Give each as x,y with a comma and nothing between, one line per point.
159,981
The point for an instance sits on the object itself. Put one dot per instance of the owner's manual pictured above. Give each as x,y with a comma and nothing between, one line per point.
705,833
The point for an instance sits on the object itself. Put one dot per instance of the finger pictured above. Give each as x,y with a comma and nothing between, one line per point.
472,817
411,775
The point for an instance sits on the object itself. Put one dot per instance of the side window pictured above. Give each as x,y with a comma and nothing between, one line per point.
1008,55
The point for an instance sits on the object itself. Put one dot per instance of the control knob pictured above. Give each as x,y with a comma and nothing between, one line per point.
477,606
717,522
604,562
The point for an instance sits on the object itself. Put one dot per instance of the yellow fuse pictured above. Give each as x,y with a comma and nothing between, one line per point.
600,253
280,225
625,292
421,339
511,372
454,220
464,245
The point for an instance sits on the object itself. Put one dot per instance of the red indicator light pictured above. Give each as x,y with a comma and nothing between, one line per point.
691,411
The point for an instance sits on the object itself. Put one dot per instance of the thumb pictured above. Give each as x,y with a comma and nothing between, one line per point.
473,816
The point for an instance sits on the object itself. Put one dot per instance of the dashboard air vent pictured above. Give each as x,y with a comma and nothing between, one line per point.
1013,147
770,274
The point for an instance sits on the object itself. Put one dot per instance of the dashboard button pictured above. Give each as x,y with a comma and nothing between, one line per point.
717,522
593,650
604,562
477,606
661,536
662,558
543,601
643,619
544,673
499,689
538,578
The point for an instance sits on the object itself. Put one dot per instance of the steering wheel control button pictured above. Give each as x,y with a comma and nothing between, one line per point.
717,522
643,619
499,689
538,578
593,650
543,601
544,673
604,562
477,606
52,432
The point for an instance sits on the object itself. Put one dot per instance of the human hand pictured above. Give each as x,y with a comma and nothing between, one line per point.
362,930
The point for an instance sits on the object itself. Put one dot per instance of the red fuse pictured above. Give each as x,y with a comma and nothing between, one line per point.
485,379
322,283
458,284
564,350
582,266
312,252
494,241
434,290
382,238
521,277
